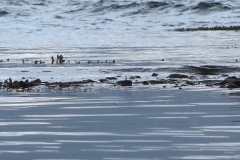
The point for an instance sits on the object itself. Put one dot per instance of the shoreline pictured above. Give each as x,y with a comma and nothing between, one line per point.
178,81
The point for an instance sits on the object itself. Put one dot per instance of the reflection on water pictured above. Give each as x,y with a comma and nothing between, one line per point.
109,125
164,59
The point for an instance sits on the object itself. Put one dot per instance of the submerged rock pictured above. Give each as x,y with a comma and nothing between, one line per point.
125,83
154,74
111,78
134,77
190,83
232,85
145,83
162,81
107,79
229,80
237,83
177,76
103,80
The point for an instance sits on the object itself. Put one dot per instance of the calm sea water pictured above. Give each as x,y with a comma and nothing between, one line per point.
146,123
137,34
138,123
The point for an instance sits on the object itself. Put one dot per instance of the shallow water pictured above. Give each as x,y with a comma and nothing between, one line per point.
138,34
109,122
112,124
178,53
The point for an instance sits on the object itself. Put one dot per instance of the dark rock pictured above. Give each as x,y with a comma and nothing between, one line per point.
158,81
232,85
190,83
154,74
177,76
229,80
111,78
237,82
145,83
134,77
86,81
172,81
103,80
125,83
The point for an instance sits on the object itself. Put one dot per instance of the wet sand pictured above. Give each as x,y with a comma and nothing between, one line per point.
139,122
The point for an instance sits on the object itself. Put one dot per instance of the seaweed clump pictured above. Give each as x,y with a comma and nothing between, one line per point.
20,84
216,28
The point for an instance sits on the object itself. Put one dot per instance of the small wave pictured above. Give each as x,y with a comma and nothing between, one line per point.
116,7
126,8
3,13
211,69
39,4
210,6
133,8
154,4
144,6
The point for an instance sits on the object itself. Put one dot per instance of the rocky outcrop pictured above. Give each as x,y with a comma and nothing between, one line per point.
230,82
154,74
125,83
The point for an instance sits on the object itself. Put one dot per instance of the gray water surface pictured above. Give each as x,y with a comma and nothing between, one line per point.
128,123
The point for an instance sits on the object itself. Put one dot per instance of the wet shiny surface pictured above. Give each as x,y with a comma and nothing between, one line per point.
205,57
99,121
113,124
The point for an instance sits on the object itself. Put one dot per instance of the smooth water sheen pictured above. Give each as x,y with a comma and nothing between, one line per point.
119,124
106,122
138,34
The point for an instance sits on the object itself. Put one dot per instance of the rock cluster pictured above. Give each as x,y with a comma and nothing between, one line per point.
177,80
230,82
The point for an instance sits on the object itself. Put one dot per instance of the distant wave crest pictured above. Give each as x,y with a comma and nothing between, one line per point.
123,7
147,7
210,6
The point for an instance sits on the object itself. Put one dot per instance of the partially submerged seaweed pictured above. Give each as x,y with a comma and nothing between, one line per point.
201,75
20,84
216,28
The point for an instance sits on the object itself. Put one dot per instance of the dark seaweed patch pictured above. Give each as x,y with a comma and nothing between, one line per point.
216,28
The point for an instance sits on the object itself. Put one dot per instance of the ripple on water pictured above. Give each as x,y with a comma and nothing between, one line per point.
139,127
